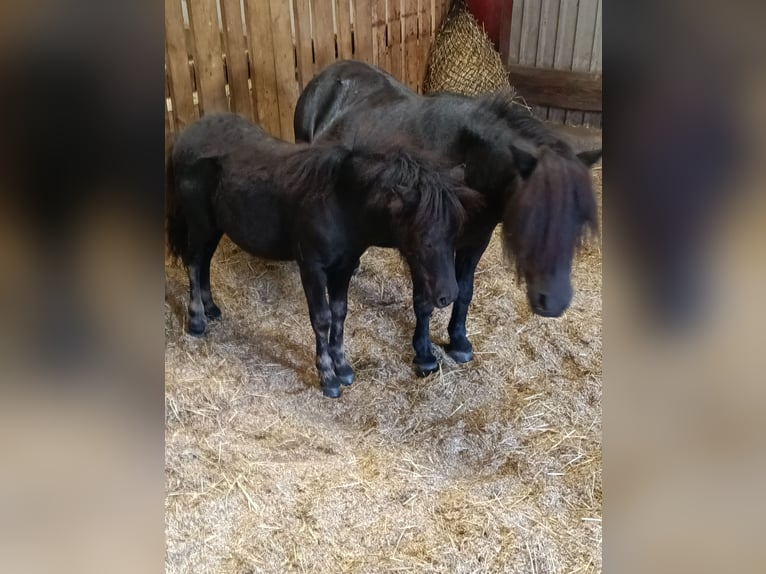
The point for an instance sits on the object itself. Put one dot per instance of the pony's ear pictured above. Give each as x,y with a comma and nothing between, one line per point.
471,200
525,162
590,157
469,137
458,173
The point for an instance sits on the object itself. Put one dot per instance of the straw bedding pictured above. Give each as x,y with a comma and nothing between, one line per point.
493,466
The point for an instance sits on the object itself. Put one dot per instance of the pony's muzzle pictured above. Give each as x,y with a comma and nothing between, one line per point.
446,296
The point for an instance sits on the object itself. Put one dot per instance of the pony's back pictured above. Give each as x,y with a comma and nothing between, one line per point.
220,134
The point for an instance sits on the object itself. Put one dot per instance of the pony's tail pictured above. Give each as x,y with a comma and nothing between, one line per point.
176,226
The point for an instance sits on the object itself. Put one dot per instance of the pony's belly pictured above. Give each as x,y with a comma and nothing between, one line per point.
262,247
255,222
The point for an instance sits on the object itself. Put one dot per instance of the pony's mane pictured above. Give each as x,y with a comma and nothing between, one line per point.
426,187
424,184
499,106
550,214
311,170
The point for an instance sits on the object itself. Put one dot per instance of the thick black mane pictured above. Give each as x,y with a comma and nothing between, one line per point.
429,193
439,196
521,121
311,170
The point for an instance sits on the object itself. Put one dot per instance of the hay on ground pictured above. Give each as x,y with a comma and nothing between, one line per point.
493,466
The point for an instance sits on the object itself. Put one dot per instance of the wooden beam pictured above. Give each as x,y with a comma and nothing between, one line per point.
558,88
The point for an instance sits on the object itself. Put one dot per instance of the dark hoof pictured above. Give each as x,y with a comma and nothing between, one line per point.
425,368
213,311
460,356
196,327
461,351
332,389
345,376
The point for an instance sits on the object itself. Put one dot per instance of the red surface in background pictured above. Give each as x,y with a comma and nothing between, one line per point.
488,12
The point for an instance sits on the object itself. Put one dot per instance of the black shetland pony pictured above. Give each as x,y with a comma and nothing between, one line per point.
531,181
320,205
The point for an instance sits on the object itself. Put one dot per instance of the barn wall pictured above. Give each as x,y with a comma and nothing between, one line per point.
558,34
255,56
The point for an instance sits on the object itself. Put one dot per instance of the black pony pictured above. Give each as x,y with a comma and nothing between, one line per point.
532,182
320,205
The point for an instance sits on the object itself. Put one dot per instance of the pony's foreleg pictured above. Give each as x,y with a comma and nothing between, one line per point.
314,285
337,289
466,260
425,362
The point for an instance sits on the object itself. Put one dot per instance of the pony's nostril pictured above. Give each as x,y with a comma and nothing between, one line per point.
443,301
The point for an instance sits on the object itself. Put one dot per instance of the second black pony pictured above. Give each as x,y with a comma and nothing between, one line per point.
320,205
531,181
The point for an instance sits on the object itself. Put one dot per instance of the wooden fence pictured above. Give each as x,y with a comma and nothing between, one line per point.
560,35
254,57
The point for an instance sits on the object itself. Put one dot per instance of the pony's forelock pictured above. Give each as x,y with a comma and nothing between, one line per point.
552,213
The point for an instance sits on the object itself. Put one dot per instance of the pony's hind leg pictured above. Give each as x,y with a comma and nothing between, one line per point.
212,311
202,239
314,285
337,289
196,324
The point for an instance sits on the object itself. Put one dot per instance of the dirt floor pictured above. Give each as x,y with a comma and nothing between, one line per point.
493,466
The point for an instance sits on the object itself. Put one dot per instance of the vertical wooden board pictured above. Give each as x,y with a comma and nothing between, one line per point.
177,60
324,34
303,43
583,47
343,22
284,63
265,103
590,118
363,31
410,37
516,21
562,57
395,39
208,56
425,37
546,39
380,50
235,45
168,118
441,8
530,27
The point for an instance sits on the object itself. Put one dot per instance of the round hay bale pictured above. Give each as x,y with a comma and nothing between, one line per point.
463,59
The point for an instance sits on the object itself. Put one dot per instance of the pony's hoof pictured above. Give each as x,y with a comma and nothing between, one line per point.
213,311
460,355
345,376
332,389
425,368
196,327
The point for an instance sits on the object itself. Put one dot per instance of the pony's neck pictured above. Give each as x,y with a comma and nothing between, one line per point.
376,221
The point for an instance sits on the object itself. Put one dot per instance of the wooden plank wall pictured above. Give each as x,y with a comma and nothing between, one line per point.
254,57
558,34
